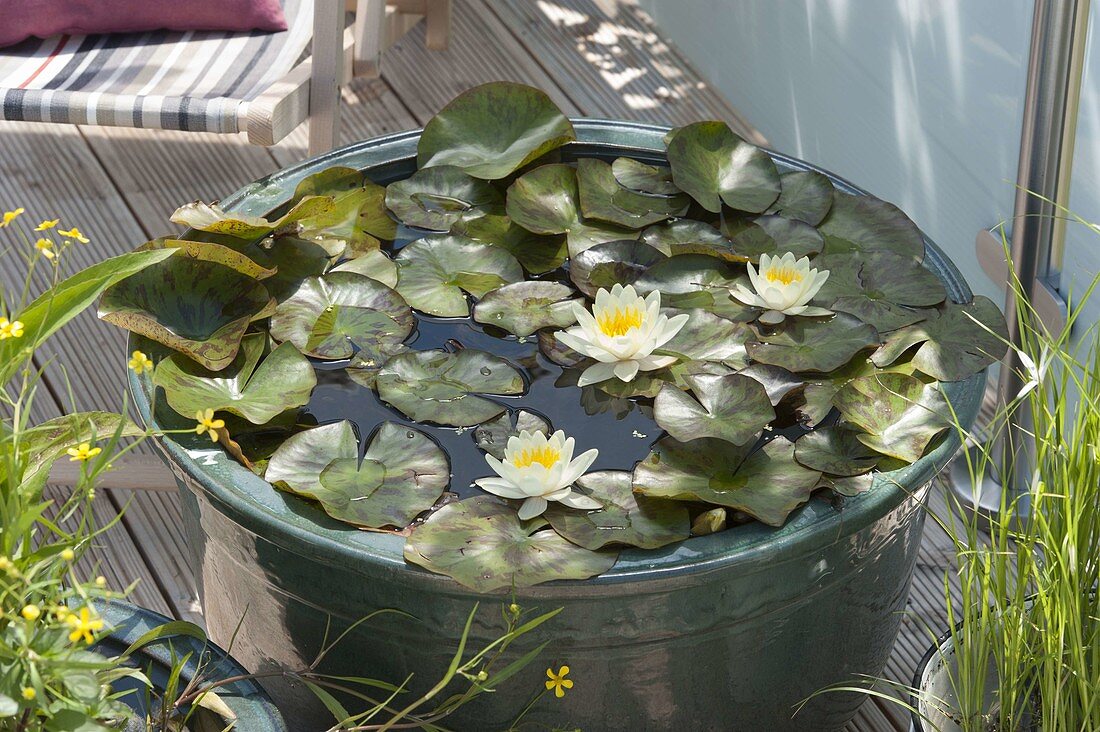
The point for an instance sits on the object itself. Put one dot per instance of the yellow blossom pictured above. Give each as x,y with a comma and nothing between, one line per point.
47,224
45,246
5,563
139,362
68,555
100,581
10,329
558,682
74,233
206,422
30,612
83,625
29,694
10,216
82,452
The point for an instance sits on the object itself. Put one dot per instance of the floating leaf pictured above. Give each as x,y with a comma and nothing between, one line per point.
402,474
815,345
209,252
196,307
611,263
481,543
687,236
494,129
836,451
899,414
537,253
524,307
291,258
767,485
557,351
637,176
337,315
210,218
806,196
707,337
819,391
732,408
879,288
434,272
438,198
957,341
254,389
681,372
299,462
603,199
331,181
439,387
851,485
374,264
356,223
715,166
626,518
687,274
796,237
866,224
492,436
777,382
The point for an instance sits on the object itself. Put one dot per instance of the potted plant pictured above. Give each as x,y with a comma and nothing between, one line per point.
688,389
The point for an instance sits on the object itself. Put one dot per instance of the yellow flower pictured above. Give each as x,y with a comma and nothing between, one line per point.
10,216
5,563
558,682
139,362
74,233
68,555
206,422
45,246
100,581
30,612
83,625
29,694
47,224
82,452
10,329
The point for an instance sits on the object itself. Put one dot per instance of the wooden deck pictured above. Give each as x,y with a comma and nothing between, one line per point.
120,186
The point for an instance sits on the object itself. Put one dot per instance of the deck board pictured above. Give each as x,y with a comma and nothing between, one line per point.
120,186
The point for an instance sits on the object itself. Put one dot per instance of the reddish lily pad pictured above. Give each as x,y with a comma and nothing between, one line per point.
899,415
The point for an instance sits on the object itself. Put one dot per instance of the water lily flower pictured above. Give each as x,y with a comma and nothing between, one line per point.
621,333
540,469
10,329
558,682
783,287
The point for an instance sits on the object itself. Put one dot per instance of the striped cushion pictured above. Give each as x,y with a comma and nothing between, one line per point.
165,80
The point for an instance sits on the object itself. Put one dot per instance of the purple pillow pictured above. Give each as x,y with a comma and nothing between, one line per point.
21,19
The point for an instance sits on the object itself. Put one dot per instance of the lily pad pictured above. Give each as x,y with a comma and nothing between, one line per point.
789,235
481,544
297,464
440,387
899,414
707,337
715,166
777,382
866,224
819,391
558,352
492,436
709,522
767,485
732,408
603,199
879,288
438,198
836,451
611,263
402,474
210,218
293,260
851,485
374,264
626,518
494,129
433,273
956,341
815,345
806,196
687,236
525,307
342,313
637,176
197,307
536,252
687,274
356,223
254,389
210,252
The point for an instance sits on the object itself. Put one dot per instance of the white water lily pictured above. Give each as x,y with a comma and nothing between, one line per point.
783,287
540,469
621,333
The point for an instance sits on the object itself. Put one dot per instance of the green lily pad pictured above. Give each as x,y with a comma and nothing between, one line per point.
732,408
293,260
211,219
806,196
767,485
402,474
434,273
637,176
956,341
815,345
494,129
557,351
715,166
866,224
707,337
197,307
254,389
297,464
209,252
331,181
626,518
492,436
836,451
357,222
851,485
789,235
481,544
374,264
681,372
611,263
687,236
335,316
777,382
536,252
440,387
524,307
881,289
687,274
899,414
438,198
819,391
603,199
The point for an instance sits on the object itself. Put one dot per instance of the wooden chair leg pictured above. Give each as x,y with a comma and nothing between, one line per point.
438,20
326,77
370,35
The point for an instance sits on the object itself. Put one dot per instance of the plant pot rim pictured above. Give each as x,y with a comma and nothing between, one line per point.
290,522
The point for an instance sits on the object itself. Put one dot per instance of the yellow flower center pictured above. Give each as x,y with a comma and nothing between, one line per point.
546,456
620,322
784,275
